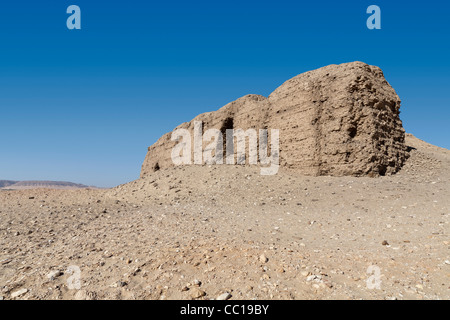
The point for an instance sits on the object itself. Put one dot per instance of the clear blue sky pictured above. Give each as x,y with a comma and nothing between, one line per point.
84,105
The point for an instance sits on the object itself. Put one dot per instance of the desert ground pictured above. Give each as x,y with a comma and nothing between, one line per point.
203,232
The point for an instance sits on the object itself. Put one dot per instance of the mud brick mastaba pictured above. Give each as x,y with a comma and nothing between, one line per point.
339,120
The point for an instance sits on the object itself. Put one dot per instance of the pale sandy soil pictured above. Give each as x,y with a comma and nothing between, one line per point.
186,232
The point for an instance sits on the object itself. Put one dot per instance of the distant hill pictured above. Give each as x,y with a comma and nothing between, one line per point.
19,185
5,183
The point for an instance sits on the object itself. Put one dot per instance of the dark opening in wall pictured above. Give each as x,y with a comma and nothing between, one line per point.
352,132
156,167
227,124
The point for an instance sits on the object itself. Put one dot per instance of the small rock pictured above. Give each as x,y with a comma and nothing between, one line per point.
385,243
54,274
185,288
119,284
197,283
1,298
81,295
263,258
196,293
311,278
84,295
19,293
224,296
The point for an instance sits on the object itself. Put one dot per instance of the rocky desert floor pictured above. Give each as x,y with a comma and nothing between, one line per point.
200,232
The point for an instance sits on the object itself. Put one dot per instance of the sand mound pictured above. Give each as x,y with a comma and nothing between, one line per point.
197,232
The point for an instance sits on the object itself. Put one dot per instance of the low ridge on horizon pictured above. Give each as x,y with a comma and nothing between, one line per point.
35,184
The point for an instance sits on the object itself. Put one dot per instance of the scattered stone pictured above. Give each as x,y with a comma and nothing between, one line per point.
84,295
54,274
310,278
224,296
197,283
81,295
19,293
263,258
119,284
196,293
385,243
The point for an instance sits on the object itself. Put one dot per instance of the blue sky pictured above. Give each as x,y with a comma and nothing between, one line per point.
84,105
